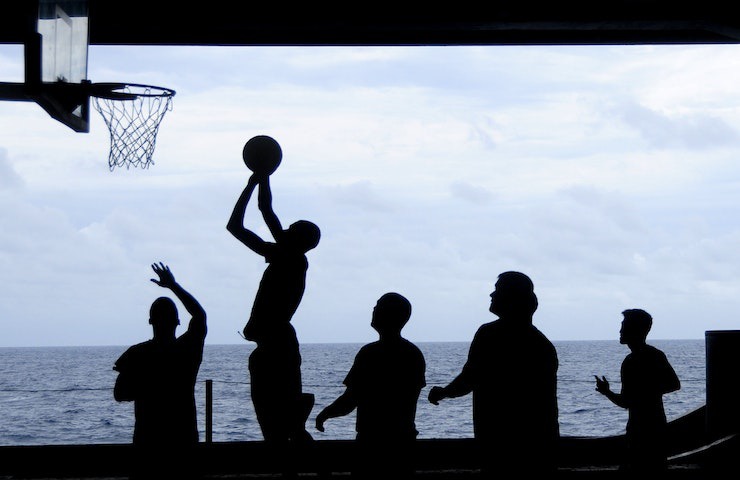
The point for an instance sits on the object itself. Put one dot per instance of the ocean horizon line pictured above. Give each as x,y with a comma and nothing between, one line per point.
353,342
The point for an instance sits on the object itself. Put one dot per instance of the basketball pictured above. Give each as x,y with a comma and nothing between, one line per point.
262,154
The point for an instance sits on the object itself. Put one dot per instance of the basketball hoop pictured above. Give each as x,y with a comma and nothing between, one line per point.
132,113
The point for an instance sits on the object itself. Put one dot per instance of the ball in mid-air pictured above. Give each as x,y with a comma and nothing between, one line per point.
262,154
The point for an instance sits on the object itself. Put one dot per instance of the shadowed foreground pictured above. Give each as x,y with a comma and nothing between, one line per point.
692,456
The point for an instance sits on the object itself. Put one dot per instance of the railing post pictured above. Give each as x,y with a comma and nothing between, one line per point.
209,411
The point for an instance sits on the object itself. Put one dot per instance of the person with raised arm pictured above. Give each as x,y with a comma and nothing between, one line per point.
159,376
275,364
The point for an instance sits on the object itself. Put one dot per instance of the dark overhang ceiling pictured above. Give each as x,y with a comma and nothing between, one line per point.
219,22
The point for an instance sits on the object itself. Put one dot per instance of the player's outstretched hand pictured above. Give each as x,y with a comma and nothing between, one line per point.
166,279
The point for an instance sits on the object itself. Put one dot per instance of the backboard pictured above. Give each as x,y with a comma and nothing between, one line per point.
56,61
56,50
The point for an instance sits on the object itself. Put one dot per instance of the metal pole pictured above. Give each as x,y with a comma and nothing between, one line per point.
209,411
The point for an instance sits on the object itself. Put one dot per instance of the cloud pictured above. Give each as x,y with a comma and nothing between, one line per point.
697,131
9,178
470,193
361,194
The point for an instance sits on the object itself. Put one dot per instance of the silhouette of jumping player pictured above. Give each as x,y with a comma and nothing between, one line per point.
511,370
383,385
159,376
275,364
646,377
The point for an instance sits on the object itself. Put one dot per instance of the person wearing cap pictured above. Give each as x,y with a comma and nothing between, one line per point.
159,376
511,371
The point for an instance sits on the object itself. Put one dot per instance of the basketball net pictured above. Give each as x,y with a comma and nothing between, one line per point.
133,114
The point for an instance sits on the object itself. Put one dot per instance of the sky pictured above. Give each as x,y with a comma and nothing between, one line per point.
608,174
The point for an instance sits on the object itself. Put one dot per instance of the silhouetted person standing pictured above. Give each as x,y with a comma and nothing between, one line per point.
646,377
383,385
511,370
275,364
159,376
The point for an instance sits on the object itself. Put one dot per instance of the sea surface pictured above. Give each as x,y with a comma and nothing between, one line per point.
64,395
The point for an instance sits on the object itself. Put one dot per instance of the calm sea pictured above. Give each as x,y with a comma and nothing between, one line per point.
64,395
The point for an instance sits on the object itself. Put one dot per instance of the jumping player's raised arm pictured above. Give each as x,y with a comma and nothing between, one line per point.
265,206
235,226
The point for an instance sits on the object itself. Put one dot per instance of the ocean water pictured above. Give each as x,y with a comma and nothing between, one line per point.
64,395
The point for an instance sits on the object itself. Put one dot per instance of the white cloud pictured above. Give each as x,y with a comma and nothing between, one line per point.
470,193
9,178
694,131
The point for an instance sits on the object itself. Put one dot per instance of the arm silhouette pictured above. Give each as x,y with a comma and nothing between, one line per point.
457,388
197,324
602,386
264,199
669,381
344,405
124,389
235,226
465,380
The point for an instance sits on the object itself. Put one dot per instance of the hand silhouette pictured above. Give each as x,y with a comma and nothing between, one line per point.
166,279
436,394
320,422
602,384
